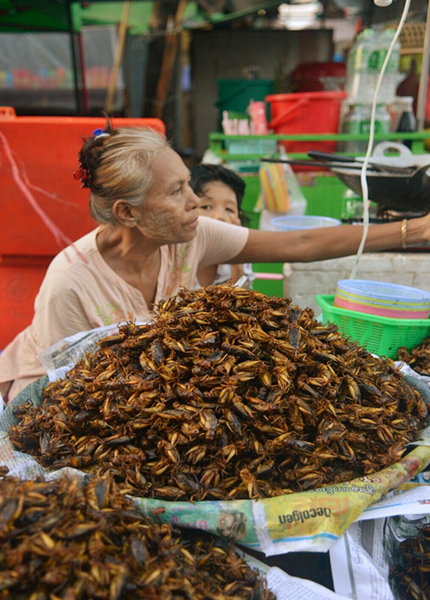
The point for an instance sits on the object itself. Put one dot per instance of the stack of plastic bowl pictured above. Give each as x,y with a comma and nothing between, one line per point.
382,299
294,223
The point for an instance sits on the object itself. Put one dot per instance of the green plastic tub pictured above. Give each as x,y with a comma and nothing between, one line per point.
380,335
235,94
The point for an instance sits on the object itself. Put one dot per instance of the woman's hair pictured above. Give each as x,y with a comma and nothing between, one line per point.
204,174
117,164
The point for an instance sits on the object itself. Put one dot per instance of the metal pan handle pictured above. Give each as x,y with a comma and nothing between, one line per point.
383,147
330,157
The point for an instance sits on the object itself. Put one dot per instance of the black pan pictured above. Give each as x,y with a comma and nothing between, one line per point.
395,187
401,191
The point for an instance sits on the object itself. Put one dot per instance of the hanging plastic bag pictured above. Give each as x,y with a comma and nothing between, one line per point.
280,192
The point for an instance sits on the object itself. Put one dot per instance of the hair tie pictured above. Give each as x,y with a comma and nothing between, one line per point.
100,133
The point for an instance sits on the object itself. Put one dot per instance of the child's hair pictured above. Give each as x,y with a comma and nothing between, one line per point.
204,174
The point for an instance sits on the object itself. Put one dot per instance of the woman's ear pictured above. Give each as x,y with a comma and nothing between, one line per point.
124,213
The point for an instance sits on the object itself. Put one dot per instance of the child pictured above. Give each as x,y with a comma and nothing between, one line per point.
221,192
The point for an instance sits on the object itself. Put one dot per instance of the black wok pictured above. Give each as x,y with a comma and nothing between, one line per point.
398,191
395,182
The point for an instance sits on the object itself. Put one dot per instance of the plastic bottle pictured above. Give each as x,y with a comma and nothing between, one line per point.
365,60
357,75
407,121
352,206
387,90
357,121
257,112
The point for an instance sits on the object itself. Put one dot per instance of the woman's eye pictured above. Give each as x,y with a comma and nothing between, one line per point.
178,191
233,212
206,207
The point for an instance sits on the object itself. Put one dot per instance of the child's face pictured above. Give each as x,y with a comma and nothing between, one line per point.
218,201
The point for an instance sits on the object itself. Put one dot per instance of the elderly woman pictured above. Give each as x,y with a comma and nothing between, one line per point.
150,242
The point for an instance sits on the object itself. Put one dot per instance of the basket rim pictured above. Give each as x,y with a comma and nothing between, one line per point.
401,304
358,286
311,220
326,301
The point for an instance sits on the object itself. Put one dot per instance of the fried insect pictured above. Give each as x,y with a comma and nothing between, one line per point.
410,579
61,541
227,394
418,358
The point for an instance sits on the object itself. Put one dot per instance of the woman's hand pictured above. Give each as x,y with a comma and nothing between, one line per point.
426,229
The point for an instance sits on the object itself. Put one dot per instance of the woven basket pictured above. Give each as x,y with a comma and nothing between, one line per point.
412,36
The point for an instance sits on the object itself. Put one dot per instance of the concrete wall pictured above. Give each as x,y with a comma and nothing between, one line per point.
223,54
302,281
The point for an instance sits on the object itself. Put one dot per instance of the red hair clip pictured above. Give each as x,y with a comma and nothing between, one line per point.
83,175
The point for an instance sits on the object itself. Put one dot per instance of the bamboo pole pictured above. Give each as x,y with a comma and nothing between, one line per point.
168,62
119,51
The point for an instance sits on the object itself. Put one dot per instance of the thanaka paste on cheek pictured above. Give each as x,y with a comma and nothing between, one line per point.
161,219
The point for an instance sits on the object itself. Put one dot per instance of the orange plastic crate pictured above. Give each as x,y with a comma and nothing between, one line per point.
20,280
45,150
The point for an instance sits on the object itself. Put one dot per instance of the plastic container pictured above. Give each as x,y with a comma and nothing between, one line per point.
407,121
258,113
45,150
387,91
365,61
382,299
358,78
380,335
294,223
357,121
251,146
306,113
235,94
397,108
353,205
316,76
20,280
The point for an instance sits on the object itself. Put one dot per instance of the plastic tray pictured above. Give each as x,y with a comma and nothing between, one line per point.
380,335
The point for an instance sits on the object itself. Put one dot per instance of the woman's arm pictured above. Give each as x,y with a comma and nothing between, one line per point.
207,275
329,242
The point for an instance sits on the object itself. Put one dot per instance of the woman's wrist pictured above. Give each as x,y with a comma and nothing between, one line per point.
417,231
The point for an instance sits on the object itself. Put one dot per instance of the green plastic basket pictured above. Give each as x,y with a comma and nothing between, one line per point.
380,335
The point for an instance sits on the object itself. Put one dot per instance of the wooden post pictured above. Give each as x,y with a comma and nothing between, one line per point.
186,95
422,90
168,62
119,51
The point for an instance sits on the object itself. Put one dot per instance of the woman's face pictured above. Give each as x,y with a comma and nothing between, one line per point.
218,201
169,213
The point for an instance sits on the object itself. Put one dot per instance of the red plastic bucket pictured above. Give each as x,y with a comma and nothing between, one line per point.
308,112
